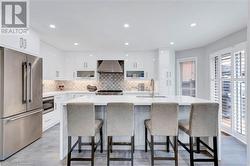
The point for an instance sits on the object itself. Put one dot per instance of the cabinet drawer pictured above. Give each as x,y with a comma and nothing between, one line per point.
49,120
20,132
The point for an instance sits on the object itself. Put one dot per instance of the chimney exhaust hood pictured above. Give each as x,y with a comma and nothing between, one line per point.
110,66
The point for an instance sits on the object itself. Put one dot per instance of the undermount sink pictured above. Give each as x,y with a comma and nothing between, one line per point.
157,96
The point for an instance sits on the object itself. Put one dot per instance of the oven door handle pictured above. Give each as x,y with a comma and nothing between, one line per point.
48,110
48,98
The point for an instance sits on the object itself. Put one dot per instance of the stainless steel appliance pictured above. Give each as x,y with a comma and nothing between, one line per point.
48,104
20,101
110,66
109,92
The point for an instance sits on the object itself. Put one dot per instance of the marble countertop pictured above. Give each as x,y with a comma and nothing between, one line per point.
55,93
103,100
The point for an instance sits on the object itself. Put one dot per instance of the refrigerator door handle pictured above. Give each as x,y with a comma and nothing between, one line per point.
24,82
30,90
22,116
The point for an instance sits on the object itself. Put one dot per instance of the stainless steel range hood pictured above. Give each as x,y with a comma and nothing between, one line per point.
110,66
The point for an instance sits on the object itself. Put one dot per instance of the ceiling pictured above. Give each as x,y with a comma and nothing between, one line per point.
98,24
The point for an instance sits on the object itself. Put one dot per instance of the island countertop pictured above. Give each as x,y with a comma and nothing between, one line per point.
102,100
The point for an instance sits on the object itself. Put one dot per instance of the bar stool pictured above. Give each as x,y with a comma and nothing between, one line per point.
81,122
203,122
164,122
120,122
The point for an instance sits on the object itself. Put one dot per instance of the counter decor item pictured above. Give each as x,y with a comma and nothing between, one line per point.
61,87
141,87
91,88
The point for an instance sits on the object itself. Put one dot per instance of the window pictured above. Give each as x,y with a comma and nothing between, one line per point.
240,92
187,77
228,87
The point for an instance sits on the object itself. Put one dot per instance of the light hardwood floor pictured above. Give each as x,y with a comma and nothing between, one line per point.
45,152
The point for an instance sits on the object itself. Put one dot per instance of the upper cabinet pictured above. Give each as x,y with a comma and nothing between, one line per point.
134,65
140,65
29,43
53,62
79,66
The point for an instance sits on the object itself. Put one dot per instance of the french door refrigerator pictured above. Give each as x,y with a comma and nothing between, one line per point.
20,101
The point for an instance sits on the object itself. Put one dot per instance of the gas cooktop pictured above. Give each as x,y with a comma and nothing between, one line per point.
109,92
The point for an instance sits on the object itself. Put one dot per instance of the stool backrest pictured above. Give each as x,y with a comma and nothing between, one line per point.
164,119
120,119
204,119
81,119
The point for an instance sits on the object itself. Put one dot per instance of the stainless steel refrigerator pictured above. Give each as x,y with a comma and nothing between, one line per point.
20,101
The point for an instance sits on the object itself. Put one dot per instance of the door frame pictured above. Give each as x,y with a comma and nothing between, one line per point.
195,59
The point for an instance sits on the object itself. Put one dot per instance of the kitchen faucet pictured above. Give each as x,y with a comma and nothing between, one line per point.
152,84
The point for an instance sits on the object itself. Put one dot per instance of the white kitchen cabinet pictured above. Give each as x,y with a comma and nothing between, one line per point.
28,43
49,120
141,62
134,64
78,62
52,118
53,62
166,72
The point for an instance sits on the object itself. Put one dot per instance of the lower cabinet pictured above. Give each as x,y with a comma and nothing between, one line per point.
49,120
52,118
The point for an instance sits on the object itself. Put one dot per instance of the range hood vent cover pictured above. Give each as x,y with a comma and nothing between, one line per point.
110,66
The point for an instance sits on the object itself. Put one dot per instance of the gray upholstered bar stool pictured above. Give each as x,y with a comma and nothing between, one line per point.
81,122
163,122
120,122
203,122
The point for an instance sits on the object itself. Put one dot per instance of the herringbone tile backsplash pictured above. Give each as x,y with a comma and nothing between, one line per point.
113,81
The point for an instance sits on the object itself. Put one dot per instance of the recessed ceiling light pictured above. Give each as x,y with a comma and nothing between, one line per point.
126,44
193,25
90,55
171,43
52,26
76,44
126,25
126,55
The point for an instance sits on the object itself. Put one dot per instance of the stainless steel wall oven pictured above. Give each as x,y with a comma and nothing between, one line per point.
48,104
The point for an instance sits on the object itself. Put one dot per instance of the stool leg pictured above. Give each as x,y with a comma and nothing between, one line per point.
215,151
191,151
133,144
92,150
108,151
101,138
176,150
152,150
198,144
69,151
111,142
132,150
167,143
146,137
79,144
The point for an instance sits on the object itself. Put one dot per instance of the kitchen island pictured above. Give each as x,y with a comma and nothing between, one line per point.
141,112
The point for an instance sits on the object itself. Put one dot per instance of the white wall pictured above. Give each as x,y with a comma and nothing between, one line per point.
202,54
199,53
